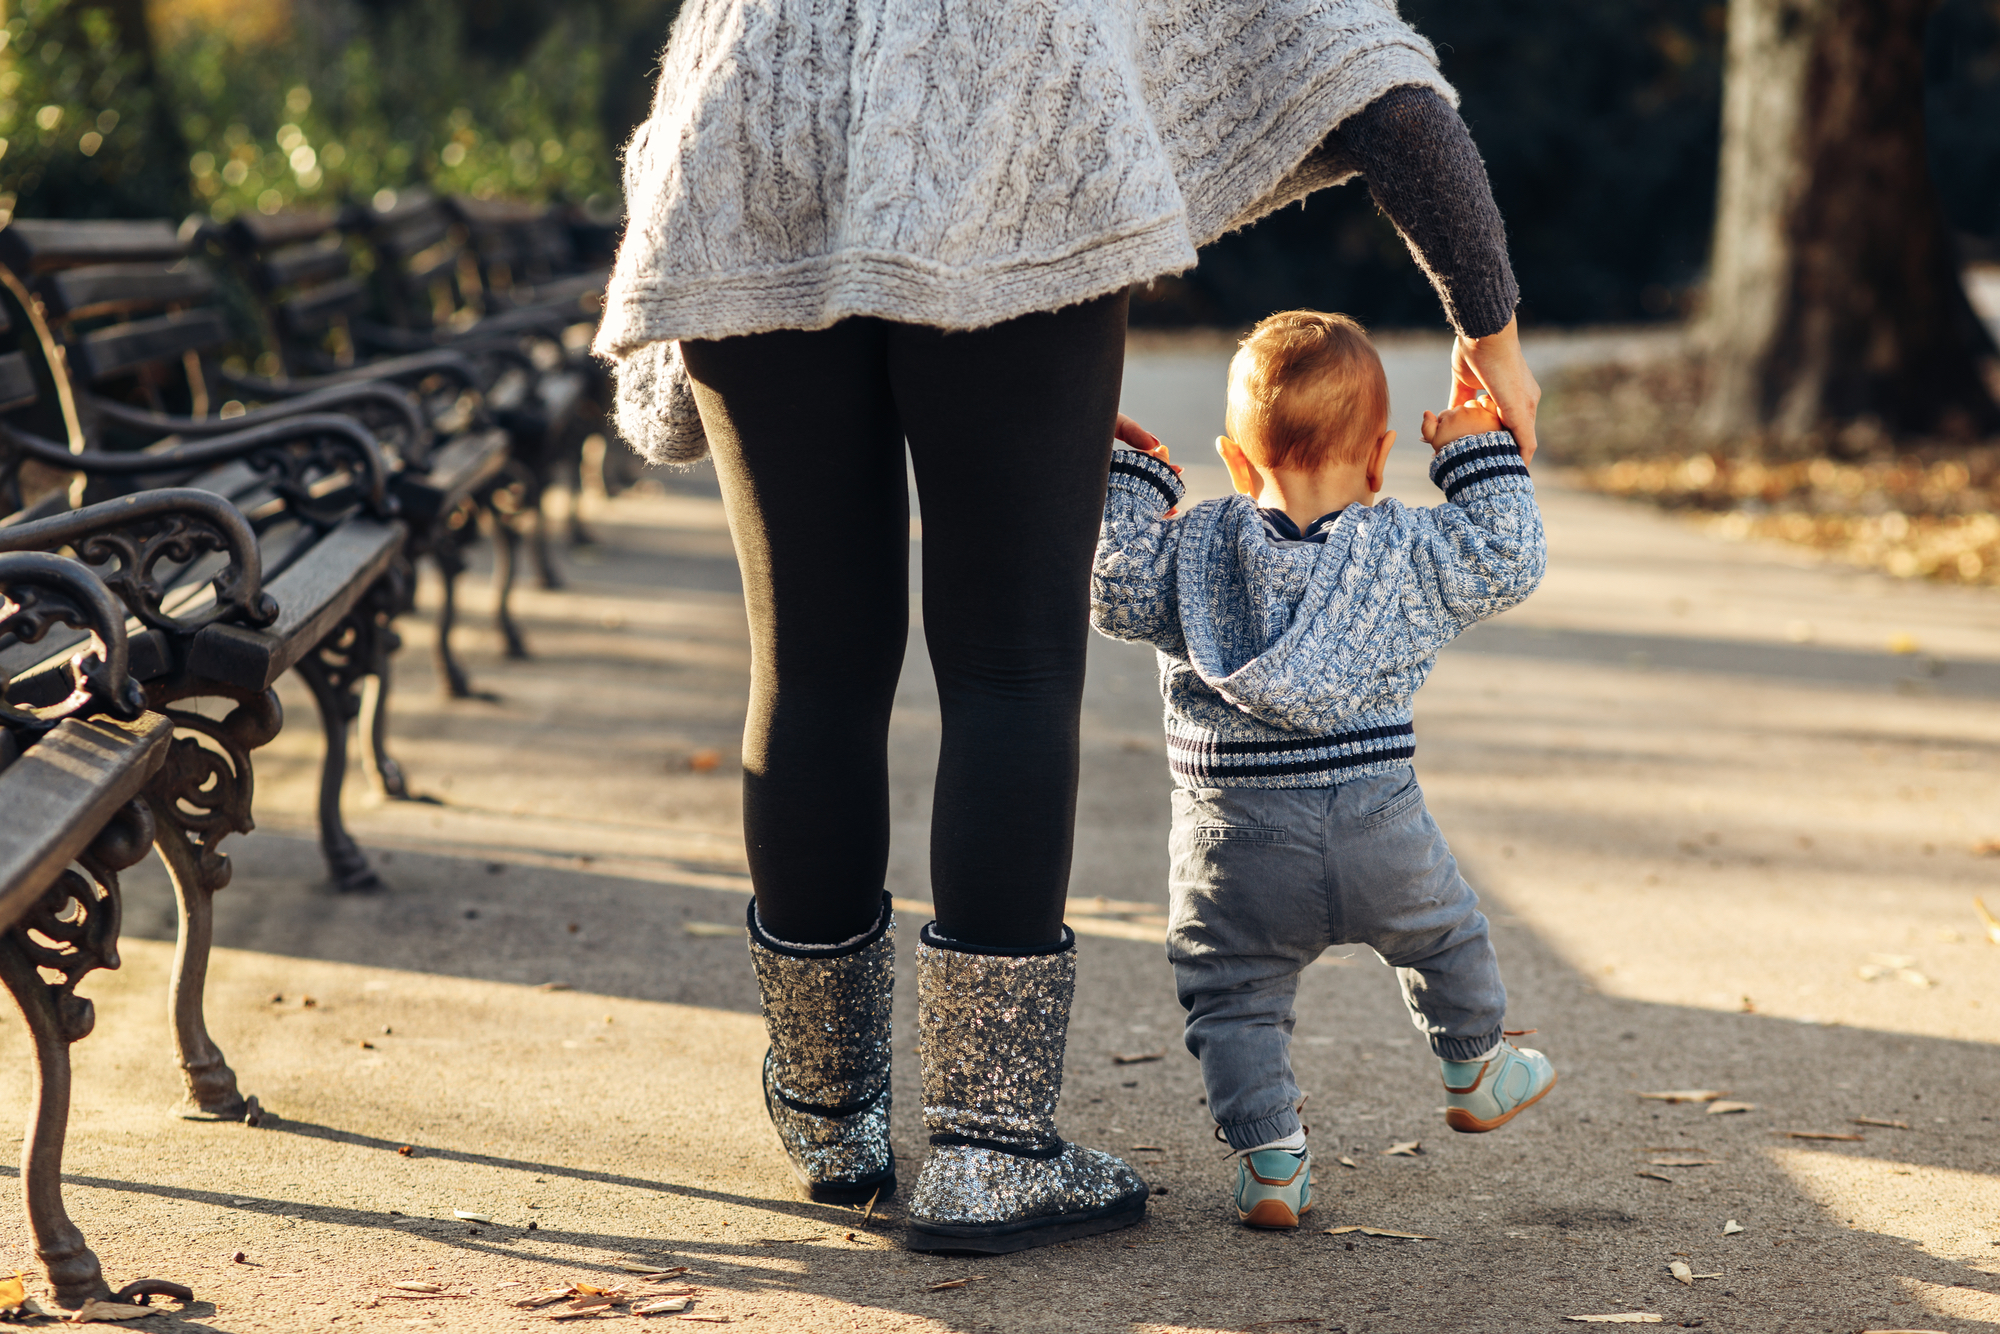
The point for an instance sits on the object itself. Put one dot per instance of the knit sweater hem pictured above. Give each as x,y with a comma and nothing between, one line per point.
819,292
1371,746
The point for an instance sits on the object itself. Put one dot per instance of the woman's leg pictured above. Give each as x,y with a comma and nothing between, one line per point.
809,451
1010,431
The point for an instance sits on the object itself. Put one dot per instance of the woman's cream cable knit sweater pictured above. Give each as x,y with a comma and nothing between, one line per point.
956,164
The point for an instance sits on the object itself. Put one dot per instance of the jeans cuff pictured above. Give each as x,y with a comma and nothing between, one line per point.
1249,1134
1463,1049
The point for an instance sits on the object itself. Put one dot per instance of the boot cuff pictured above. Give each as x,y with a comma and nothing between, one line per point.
792,950
929,936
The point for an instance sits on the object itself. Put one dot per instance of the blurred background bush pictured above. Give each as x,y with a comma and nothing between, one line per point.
1598,121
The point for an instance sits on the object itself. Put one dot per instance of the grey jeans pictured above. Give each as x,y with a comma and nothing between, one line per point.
1265,880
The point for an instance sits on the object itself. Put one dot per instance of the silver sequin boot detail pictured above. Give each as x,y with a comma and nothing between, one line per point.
826,1076
990,1036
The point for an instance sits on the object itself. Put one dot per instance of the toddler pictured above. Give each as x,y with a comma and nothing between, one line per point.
1294,622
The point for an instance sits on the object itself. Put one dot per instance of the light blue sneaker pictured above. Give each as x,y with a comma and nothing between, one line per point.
1274,1187
1485,1095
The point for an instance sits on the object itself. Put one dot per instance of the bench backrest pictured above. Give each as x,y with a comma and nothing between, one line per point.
301,267
425,273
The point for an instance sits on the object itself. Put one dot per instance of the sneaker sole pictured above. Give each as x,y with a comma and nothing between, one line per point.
1465,1123
1005,1238
1272,1214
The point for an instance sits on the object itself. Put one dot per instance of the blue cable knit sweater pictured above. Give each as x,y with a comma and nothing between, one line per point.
1293,664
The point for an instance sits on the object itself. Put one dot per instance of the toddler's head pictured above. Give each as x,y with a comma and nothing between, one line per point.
1306,390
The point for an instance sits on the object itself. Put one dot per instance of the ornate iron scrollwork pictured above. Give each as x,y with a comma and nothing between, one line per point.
201,795
129,538
39,592
70,931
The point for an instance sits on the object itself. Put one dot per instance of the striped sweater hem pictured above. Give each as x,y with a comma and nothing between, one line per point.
1321,760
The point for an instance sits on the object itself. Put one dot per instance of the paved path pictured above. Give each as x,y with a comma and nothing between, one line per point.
1696,789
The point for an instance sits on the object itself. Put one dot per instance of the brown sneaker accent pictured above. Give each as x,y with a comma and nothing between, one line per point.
1271,1214
1475,1083
1465,1123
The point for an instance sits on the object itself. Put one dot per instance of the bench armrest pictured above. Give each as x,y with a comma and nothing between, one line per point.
39,591
339,397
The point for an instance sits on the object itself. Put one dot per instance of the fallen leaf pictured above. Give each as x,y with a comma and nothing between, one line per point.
1621,1318
1731,1227
547,1297
417,1285
662,1306
869,1212
1139,1058
1824,1134
1991,922
1345,1161
717,929
1655,1176
1682,1271
1147,1148
1683,1162
1902,642
704,761
1724,1108
711,1319
407,1151
789,1241
508,1283
555,986
954,1283
12,1292
470,1216
1884,1122
102,1310
1406,1149
1684,1095
640,1267
1377,1232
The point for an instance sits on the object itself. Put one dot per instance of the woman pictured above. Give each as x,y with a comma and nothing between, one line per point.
856,223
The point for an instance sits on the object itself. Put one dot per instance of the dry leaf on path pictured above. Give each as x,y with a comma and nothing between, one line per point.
711,929
1408,1148
662,1306
12,1292
704,761
1724,1108
1377,1232
470,1216
555,986
1986,916
1825,1134
711,1319
1684,1095
869,1212
418,1285
1683,1271
1621,1318
1655,1176
641,1267
1731,1227
1345,1161
1882,1121
954,1283
547,1298
1139,1058
101,1310
1683,1162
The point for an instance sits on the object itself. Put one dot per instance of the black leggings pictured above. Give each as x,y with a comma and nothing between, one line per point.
1009,429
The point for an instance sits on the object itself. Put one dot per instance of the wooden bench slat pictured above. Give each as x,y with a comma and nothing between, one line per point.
305,266
104,353
42,245
60,793
312,597
318,308
106,287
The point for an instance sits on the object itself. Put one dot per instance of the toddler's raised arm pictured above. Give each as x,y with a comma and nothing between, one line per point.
1132,579
1483,550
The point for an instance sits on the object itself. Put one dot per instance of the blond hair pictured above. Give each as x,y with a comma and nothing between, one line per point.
1306,389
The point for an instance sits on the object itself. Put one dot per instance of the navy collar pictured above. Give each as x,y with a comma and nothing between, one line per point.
1281,527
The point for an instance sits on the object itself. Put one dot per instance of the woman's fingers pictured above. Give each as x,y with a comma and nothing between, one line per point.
1495,364
1136,435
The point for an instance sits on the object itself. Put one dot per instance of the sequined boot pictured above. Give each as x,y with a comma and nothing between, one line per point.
826,1076
990,1032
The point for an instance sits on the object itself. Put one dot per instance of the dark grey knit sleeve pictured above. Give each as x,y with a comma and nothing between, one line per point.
1421,167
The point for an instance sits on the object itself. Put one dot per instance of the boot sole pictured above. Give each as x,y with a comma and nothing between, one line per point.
1465,1123
1273,1214
848,1192
1004,1238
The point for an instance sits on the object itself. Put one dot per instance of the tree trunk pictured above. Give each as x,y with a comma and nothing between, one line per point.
1835,308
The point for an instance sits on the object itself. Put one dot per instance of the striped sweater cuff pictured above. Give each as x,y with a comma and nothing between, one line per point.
1143,474
1480,465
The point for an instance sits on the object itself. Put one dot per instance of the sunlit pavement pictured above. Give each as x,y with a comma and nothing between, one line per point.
1702,798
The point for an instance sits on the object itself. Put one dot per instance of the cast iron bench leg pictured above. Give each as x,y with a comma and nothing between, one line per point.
450,563
394,599
85,938
506,557
334,670
200,796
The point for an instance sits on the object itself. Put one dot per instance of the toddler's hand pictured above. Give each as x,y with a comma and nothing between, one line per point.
1475,416
1143,440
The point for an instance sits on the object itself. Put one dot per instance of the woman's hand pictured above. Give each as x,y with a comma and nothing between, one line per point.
1143,440
1494,364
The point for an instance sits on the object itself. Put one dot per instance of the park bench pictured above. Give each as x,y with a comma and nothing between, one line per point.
74,812
131,316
